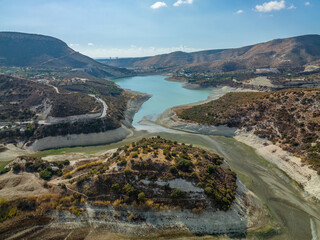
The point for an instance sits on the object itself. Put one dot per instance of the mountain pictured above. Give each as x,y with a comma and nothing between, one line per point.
38,51
280,53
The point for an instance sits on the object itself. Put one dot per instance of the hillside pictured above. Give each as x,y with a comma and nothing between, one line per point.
19,96
150,179
38,51
288,118
292,52
31,109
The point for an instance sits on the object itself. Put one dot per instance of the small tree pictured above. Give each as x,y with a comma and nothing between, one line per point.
141,197
16,167
46,174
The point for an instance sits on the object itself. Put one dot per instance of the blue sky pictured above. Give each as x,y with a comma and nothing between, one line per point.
125,28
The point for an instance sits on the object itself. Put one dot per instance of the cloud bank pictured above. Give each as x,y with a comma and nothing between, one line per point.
271,6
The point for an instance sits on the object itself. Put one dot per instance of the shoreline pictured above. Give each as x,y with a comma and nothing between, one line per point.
307,178
73,140
90,139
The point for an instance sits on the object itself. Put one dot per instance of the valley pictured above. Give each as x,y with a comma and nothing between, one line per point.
146,156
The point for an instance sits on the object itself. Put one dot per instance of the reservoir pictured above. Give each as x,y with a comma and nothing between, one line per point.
165,94
295,217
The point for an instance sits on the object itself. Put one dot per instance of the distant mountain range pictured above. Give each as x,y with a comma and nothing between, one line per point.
292,52
32,50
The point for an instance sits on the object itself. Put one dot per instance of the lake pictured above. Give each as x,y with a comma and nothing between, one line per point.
165,94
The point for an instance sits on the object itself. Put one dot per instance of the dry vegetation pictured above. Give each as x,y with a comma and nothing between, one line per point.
137,175
17,96
289,118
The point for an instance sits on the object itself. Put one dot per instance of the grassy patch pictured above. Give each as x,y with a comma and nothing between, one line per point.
3,164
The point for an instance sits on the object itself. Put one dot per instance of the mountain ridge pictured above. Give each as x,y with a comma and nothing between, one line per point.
291,52
40,51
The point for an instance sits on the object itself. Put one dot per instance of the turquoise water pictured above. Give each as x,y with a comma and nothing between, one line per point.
165,94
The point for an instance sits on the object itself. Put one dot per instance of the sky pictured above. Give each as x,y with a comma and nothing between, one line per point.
134,28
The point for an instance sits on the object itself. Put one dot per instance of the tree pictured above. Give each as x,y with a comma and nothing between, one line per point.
141,197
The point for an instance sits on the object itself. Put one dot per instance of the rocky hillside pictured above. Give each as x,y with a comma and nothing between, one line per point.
38,51
19,99
148,185
289,118
31,109
292,52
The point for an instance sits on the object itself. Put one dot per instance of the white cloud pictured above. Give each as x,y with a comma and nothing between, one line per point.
90,44
131,51
239,11
158,5
307,3
292,7
180,2
271,6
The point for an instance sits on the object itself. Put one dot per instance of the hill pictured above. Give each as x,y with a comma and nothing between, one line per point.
154,183
292,52
288,118
38,51
33,109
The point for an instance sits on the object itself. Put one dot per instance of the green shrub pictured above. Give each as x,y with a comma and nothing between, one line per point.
184,165
5,170
122,163
141,197
6,210
66,162
208,191
127,171
46,174
129,189
211,169
173,170
115,187
176,193
16,167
